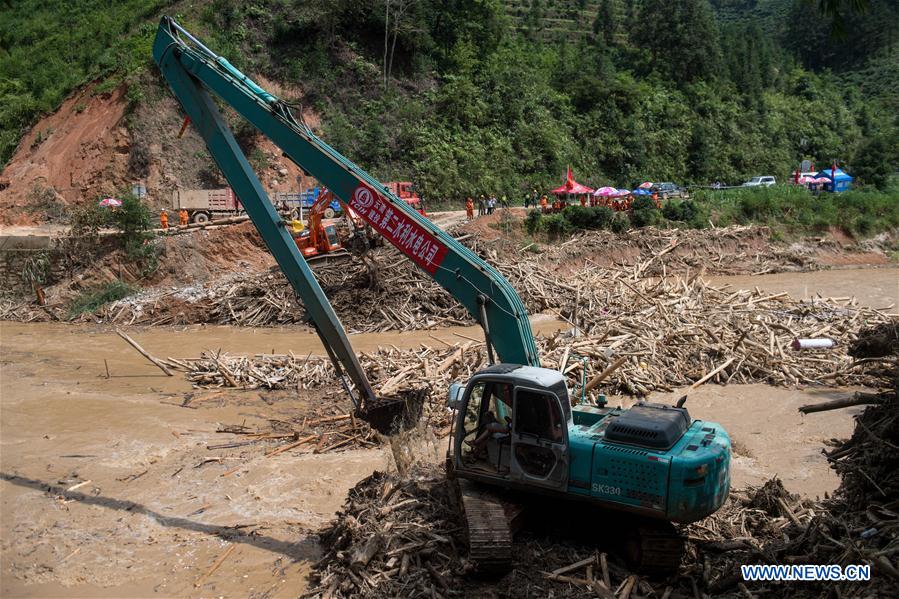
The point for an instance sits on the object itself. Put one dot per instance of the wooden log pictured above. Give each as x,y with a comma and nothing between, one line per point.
202,579
144,352
713,373
290,446
574,566
857,399
605,373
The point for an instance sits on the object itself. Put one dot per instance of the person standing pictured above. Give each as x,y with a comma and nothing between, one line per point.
543,204
482,206
183,217
469,209
164,219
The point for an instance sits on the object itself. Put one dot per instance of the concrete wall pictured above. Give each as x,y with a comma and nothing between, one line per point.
15,254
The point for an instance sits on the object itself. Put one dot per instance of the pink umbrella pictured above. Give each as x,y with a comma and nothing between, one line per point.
645,185
622,192
822,180
605,191
110,203
806,179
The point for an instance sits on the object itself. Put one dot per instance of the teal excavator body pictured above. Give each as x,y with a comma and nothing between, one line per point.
650,459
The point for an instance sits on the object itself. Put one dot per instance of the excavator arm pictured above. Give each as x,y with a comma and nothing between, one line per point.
192,71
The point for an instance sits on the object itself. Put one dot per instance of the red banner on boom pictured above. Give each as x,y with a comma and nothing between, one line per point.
398,228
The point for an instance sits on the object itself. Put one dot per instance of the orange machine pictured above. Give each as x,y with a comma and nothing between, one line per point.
318,238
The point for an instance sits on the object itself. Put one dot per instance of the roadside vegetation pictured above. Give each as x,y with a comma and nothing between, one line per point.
787,211
133,223
90,300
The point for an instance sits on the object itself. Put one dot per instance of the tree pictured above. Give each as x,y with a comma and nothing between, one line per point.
607,21
877,158
394,21
682,37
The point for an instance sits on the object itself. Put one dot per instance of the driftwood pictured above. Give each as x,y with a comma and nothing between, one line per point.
142,352
857,399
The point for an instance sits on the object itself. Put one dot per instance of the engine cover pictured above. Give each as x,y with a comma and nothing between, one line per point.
653,426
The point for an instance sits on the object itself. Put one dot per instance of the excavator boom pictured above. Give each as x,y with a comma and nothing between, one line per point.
191,69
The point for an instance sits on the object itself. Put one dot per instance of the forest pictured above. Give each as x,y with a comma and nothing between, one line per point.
474,96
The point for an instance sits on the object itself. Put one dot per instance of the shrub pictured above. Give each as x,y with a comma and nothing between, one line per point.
579,217
90,300
533,221
555,226
132,219
687,212
601,217
620,222
643,203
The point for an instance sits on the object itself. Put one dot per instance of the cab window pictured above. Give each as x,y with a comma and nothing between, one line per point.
538,414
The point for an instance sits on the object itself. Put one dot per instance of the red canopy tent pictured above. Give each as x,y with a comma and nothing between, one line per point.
571,187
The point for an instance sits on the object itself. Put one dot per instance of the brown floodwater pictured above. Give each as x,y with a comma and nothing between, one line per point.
873,287
155,515
63,422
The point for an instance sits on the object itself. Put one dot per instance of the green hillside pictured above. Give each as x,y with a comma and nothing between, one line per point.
484,95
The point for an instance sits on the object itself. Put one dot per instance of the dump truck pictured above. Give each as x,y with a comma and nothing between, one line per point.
203,205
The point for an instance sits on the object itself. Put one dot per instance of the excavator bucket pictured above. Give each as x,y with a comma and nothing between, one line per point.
390,416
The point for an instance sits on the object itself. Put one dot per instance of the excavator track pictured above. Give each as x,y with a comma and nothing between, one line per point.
489,529
655,549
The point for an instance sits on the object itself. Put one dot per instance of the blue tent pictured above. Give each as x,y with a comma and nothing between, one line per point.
838,183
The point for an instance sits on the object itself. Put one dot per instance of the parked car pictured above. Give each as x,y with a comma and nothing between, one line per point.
760,181
669,190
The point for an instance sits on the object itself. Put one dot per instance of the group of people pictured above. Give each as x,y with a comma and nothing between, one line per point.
486,205
183,218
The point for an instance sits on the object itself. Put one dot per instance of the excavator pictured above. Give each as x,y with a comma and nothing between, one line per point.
319,240
516,433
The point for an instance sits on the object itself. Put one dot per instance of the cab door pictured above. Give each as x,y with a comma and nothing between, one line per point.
539,439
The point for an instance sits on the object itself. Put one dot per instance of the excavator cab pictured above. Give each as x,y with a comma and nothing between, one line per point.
511,426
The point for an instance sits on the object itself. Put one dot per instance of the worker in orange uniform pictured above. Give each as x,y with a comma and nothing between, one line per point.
164,219
182,217
543,204
583,201
469,209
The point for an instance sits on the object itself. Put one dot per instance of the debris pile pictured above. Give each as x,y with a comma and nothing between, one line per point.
721,251
404,537
394,538
403,298
650,335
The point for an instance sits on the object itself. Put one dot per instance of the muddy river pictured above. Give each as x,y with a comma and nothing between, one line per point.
149,515
874,287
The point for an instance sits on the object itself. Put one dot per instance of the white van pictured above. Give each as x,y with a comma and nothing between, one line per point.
760,181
